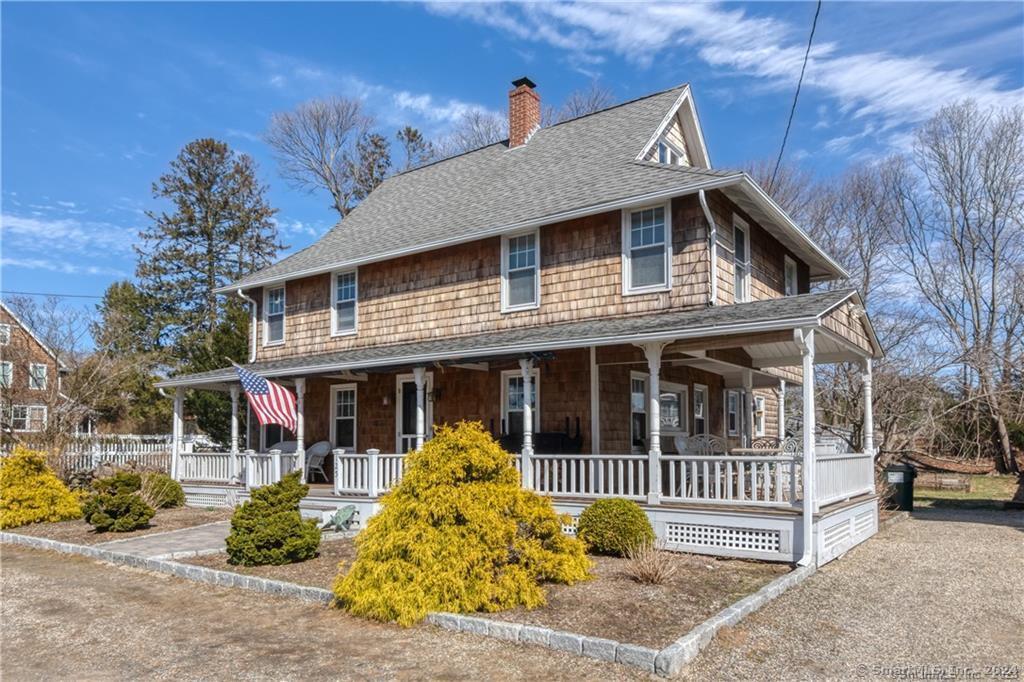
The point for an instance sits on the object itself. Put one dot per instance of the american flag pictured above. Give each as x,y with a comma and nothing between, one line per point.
272,404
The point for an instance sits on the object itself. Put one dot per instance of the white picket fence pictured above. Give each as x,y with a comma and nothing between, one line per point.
150,452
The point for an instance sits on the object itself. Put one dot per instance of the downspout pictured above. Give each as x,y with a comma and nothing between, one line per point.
252,325
712,247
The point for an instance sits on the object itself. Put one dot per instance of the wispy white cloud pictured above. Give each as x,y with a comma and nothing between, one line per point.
62,266
449,110
66,245
889,89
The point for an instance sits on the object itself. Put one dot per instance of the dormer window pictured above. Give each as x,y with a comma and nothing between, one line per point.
669,154
646,250
520,275
273,316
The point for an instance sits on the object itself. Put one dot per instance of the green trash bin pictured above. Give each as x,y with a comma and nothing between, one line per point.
900,479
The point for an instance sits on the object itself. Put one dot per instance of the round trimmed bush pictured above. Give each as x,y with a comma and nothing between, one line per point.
119,511
31,493
122,482
614,526
270,530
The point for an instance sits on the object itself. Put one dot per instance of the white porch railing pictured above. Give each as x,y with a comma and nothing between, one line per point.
213,467
369,474
591,475
768,481
264,468
842,476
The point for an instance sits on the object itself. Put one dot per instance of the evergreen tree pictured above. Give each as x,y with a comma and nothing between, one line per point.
418,149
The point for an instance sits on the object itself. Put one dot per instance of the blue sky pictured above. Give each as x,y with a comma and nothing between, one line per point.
98,98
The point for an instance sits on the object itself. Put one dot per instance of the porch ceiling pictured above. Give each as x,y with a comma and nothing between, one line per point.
743,325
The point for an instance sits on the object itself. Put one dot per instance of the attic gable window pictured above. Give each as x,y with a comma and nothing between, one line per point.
520,272
344,294
667,153
646,249
273,316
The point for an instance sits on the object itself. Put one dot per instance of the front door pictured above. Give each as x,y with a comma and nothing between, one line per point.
405,412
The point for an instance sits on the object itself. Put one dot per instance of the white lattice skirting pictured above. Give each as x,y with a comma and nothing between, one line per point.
723,537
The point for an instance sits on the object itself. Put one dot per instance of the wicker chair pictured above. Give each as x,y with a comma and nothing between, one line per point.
705,445
766,443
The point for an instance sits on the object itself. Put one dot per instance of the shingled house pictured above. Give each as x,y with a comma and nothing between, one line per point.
620,314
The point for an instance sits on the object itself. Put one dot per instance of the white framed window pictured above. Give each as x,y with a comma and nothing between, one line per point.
344,296
646,249
741,259
343,416
5,334
6,374
732,413
789,273
520,272
668,153
673,408
512,400
28,417
37,376
759,415
700,409
638,412
273,316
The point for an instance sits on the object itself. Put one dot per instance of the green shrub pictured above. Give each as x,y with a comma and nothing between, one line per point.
122,482
268,529
458,534
119,511
160,491
614,526
31,493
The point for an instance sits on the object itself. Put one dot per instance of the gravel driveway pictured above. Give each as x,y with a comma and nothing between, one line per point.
942,589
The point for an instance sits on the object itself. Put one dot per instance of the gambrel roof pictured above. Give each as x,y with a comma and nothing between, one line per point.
584,166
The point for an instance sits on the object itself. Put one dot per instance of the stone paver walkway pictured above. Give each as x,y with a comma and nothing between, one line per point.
205,538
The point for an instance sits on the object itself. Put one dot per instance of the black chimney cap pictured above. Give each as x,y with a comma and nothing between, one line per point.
524,81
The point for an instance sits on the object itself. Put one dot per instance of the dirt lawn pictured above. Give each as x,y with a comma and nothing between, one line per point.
67,617
610,606
81,533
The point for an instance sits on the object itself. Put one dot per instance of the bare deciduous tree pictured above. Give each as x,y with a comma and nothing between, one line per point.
579,103
475,129
960,231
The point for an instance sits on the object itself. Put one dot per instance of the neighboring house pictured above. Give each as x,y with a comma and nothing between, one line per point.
30,377
616,311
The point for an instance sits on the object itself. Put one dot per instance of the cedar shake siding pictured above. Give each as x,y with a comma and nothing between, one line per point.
456,291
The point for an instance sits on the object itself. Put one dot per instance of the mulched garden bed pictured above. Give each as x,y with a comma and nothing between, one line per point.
610,605
316,572
81,533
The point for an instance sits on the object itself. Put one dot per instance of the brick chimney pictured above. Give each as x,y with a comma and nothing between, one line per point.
523,111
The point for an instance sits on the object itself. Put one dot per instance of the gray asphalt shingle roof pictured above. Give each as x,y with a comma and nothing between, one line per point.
570,166
703,322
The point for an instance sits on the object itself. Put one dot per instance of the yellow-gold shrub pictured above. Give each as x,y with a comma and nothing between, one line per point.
458,534
31,493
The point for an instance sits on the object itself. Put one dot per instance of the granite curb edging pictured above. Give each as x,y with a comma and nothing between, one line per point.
667,662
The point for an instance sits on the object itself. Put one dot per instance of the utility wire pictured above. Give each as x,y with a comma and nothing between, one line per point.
796,95
47,293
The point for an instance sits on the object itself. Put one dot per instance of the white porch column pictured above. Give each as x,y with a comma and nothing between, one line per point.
869,416
234,432
526,366
595,404
782,409
300,426
419,375
809,502
652,351
177,431
748,407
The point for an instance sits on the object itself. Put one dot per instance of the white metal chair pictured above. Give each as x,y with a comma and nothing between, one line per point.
315,456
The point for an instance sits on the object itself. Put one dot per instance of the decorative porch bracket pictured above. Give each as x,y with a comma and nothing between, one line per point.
526,366
652,351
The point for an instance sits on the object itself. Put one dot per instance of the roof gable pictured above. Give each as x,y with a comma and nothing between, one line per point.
684,115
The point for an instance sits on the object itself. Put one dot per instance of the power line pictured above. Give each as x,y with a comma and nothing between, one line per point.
47,293
796,95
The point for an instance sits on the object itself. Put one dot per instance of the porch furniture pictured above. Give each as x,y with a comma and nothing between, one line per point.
315,456
286,447
766,443
705,445
547,442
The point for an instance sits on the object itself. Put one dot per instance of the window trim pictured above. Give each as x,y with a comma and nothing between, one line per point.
627,213
334,304
703,390
732,433
10,374
31,375
684,408
645,378
28,418
5,337
505,239
267,343
535,380
760,423
788,265
333,407
740,224
672,149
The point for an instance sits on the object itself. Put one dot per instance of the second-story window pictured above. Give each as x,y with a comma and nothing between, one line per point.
647,238
520,276
741,260
5,334
6,374
789,274
345,294
273,319
37,376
